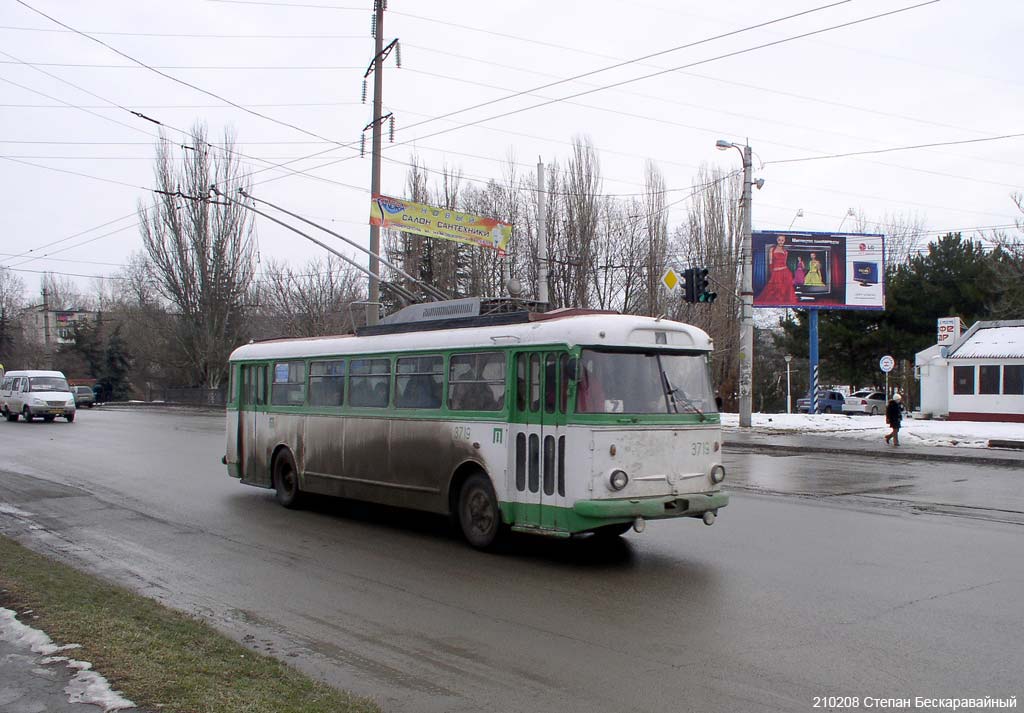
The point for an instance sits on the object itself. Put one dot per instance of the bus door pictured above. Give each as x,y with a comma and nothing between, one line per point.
251,403
538,434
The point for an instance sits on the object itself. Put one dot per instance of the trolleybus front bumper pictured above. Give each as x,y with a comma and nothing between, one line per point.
690,505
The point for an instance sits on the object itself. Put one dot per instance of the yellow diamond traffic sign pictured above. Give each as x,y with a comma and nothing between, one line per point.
670,279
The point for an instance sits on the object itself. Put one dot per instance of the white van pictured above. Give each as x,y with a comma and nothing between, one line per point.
36,393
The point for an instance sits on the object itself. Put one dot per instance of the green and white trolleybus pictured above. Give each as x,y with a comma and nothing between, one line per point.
554,423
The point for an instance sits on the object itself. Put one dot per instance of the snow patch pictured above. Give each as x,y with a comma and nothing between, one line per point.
960,434
6,509
86,686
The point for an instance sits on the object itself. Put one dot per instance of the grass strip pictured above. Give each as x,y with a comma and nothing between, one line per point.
161,659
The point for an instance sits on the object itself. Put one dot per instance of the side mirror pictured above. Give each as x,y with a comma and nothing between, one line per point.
572,369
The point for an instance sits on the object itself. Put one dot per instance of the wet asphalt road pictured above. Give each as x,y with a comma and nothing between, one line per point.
826,591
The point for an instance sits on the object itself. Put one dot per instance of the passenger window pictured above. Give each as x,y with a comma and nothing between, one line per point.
369,383
522,369
327,383
289,385
419,382
534,382
476,382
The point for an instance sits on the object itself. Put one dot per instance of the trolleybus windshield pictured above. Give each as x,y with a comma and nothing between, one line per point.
644,383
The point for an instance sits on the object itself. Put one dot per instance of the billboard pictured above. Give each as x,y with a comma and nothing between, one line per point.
818,270
442,223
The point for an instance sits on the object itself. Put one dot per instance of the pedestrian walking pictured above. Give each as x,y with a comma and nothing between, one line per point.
894,417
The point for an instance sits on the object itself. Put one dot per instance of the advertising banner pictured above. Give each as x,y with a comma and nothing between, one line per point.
818,270
440,223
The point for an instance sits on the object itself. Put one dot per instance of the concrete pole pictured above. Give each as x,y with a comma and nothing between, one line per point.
373,309
746,298
542,236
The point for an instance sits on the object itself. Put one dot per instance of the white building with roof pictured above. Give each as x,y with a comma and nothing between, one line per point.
979,377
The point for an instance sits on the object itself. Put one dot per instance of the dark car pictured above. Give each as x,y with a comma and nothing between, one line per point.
828,402
83,396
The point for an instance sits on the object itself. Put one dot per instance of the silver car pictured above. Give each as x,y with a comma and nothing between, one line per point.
869,402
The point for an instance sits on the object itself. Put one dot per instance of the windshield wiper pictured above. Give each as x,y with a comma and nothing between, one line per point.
675,394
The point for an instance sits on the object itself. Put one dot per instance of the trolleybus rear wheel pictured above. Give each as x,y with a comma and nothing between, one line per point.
286,480
479,515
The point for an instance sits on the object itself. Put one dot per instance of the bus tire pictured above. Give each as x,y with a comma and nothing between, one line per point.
286,480
479,515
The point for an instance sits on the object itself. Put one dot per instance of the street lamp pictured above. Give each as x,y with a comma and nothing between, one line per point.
789,398
746,287
799,214
849,214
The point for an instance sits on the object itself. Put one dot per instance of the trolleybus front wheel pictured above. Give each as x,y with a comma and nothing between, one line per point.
286,480
479,515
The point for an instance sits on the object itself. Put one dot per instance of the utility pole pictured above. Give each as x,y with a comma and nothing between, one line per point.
373,309
46,327
542,237
746,297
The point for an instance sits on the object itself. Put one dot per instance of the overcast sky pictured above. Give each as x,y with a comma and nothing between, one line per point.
941,72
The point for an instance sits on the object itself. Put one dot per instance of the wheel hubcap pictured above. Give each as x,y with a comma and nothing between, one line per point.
481,516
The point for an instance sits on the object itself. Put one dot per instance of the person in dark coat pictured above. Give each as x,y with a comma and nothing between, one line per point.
894,417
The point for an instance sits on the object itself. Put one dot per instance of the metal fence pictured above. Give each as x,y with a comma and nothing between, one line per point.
192,396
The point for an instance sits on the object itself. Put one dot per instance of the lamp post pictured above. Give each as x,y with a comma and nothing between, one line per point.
849,214
799,214
746,288
789,398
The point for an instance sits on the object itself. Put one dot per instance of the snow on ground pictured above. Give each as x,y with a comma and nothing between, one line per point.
87,686
966,434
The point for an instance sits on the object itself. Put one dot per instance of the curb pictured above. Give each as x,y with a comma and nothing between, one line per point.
888,453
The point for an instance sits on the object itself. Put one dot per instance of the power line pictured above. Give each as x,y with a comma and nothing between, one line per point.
624,63
260,67
648,76
898,148
179,81
192,35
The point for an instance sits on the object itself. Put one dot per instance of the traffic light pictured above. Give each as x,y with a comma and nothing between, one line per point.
690,285
701,287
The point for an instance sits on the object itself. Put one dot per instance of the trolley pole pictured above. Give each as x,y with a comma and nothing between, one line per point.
542,237
373,308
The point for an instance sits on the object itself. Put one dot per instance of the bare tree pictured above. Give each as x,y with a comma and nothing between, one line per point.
904,233
656,223
312,301
712,237
200,252
62,294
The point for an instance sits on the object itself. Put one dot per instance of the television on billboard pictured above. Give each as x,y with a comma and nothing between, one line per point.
818,270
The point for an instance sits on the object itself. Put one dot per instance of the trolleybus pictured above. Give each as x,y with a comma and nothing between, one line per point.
555,423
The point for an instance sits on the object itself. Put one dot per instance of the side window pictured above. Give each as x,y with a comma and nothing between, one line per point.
5,385
534,382
289,385
963,380
550,382
988,379
419,381
327,383
1013,379
476,382
522,372
369,383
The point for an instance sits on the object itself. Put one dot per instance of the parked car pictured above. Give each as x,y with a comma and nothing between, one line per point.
869,402
828,402
83,396
36,393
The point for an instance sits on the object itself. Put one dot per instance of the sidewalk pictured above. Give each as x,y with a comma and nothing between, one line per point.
756,440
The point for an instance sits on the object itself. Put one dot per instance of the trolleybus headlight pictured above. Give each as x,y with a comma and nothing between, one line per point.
618,480
718,474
